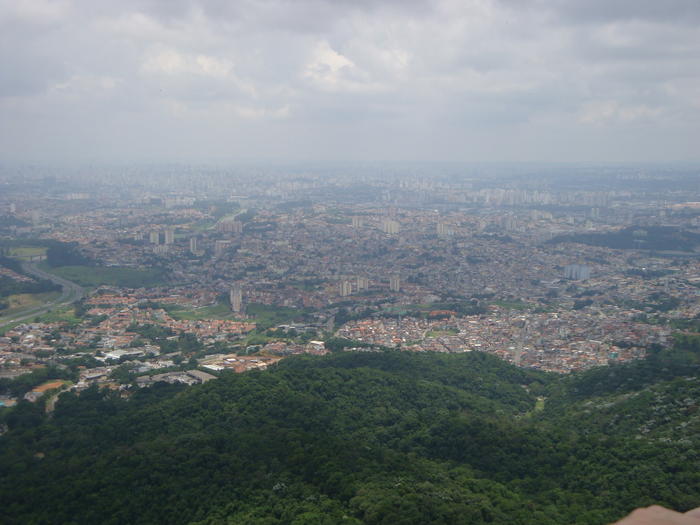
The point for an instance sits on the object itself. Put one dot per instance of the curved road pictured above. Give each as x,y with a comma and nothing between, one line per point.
70,292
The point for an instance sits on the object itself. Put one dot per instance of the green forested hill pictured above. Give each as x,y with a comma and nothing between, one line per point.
377,438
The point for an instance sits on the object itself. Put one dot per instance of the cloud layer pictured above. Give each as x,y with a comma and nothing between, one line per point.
218,80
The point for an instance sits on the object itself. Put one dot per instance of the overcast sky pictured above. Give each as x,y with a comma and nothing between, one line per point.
465,80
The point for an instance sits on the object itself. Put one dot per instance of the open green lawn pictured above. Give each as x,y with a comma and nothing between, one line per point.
441,333
6,327
60,314
266,316
230,216
513,305
92,276
203,225
218,311
272,315
22,301
25,252
539,404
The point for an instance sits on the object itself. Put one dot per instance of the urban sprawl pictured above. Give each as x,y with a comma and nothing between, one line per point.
179,275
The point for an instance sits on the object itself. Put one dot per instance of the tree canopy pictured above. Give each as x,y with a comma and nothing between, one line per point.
367,437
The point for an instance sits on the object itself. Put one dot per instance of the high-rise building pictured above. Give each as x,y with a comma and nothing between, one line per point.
443,230
170,236
194,245
230,226
362,283
154,237
390,226
345,288
395,283
577,272
357,222
236,298
509,223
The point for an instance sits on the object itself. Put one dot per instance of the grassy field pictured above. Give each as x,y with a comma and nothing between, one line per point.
20,302
266,316
26,252
93,276
513,305
59,314
6,327
203,225
272,315
539,407
64,314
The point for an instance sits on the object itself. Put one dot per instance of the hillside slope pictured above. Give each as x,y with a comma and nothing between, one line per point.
377,438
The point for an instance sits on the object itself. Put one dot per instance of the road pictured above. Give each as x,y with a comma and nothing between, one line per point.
70,292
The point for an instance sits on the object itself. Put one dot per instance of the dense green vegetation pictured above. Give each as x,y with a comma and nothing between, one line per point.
66,260
10,220
337,344
430,311
376,438
656,302
110,275
66,254
11,287
8,262
22,384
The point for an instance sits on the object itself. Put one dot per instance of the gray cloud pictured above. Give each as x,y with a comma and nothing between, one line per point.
597,11
271,79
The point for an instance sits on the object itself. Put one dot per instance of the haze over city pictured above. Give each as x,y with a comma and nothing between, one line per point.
314,262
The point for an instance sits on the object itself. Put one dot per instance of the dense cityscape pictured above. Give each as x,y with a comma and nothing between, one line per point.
120,280
320,262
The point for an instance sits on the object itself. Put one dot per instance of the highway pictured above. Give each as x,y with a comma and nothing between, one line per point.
70,292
